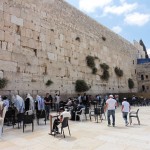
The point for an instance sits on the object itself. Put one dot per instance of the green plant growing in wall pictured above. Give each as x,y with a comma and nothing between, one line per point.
3,82
105,75
81,86
94,70
91,63
48,83
118,72
130,83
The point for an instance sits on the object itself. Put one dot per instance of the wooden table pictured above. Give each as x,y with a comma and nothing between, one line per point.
51,116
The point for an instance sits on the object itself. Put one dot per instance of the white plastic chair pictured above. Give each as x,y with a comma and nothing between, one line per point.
2,120
80,113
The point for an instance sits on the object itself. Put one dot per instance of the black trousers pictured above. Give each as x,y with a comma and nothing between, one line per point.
56,123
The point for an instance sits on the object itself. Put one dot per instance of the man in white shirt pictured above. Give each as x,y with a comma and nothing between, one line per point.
59,120
125,110
111,106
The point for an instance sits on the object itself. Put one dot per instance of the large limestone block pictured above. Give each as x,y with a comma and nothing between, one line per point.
29,33
31,69
7,17
17,39
1,24
31,43
18,58
52,56
16,20
4,45
1,35
5,55
1,6
21,67
26,77
28,51
15,11
1,74
9,37
8,66
24,41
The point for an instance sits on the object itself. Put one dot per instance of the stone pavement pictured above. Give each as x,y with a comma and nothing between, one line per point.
85,135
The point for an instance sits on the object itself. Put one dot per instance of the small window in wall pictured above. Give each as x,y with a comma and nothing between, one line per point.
146,76
142,77
143,88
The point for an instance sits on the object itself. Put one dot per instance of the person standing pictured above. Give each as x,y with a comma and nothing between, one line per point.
47,105
110,106
125,110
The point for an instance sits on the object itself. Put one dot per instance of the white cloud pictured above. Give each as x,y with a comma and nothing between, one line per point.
91,5
117,29
118,10
137,19
122,1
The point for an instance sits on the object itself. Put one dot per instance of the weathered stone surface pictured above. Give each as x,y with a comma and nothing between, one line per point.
42,40
8,65
1,35
16,20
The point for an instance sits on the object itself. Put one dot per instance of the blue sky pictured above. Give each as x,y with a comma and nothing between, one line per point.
128,18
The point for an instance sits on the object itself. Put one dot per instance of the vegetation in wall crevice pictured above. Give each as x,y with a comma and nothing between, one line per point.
105,75
49,82
118,72
130,83
91,63
81,86
3,83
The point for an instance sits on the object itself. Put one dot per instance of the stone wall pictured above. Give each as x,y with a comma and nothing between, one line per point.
38,42
143,77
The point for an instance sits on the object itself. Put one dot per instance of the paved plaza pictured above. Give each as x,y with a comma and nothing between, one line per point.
85,135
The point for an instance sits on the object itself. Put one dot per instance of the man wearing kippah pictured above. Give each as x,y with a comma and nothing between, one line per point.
111,106
125,110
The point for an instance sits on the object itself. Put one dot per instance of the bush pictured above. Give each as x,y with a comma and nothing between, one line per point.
48,83
104,66
81,86
94,70
118,72
105,75
130,83
90,61
3,83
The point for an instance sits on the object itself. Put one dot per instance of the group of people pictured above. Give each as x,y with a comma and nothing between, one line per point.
111,105
76,104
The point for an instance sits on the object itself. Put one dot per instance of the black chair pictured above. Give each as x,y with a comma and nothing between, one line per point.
10,116
19,119
40,114
134,114
28,119
65,124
